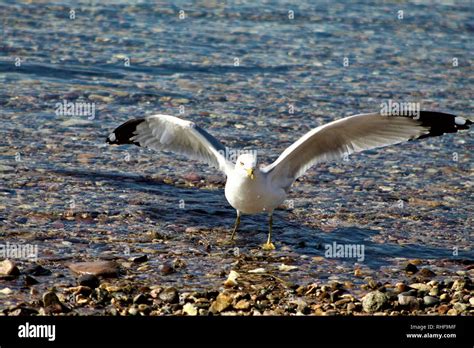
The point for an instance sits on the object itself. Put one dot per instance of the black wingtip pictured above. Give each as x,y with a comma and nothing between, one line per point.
122,134
440,123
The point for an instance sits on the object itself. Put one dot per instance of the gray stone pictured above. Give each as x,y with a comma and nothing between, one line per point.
374,301
169,295
430,301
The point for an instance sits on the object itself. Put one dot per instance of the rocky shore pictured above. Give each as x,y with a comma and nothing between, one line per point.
107,288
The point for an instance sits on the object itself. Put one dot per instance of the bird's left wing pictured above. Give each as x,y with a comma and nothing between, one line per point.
169,133
354,134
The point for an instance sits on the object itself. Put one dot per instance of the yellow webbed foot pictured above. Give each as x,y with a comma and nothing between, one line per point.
268,246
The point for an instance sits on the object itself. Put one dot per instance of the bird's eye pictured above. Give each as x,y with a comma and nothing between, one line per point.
241,163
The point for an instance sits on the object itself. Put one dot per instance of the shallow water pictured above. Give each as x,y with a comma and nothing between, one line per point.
78,199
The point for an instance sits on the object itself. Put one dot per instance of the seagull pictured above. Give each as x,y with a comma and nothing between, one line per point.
252,189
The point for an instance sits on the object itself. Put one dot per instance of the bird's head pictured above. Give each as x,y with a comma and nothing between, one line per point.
246,165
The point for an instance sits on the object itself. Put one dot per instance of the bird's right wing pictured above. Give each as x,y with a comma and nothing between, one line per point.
169,133
354,134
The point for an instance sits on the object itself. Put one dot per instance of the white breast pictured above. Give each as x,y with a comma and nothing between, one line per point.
252,196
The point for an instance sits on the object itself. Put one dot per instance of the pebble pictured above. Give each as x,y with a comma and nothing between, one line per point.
89,280
231,279
401,287
257,270
430,301
37,270
411,268
190,309
458,285
139,259
460,307
8,267
286,268
407,300
29,280
443,309
97,268
51,303
242,305
221,303
374,301
192,177
6,291
169,295
421,287
427,273
140,299
166,269
444,297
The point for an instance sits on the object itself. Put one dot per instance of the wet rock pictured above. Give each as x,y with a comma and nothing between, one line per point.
97,268
221,303
427,273
374,301
430,301
192,177
411,268
29,280
139,259
52,304
8,267
89,280
471,301
37,270
169,295
166,269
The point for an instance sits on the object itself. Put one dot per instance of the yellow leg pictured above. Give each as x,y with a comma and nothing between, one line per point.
269,245
236,225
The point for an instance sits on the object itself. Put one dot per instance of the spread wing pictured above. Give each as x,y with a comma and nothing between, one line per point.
354,134
169,133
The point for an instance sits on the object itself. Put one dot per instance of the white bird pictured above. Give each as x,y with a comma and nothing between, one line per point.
251,189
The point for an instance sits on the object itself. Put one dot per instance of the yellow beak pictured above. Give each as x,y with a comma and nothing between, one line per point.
250,174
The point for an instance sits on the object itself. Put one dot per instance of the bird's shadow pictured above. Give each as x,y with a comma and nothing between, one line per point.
209,209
